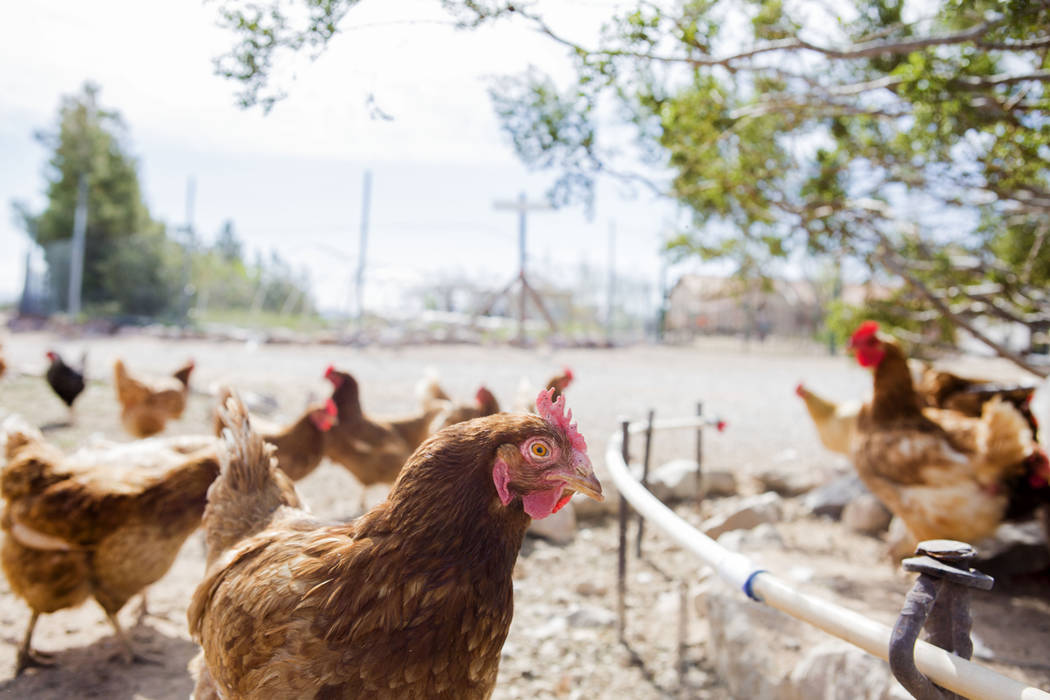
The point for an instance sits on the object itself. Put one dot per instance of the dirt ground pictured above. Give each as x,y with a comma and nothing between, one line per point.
751,387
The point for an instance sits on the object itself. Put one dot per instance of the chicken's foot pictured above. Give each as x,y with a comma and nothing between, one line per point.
26,656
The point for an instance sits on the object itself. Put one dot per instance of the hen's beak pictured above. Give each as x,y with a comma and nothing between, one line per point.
580,477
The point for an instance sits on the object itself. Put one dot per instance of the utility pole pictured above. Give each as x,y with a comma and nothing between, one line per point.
609,296
362,250
187,287
522,206
76,256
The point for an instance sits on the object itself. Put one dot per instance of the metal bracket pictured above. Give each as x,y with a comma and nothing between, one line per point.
940,602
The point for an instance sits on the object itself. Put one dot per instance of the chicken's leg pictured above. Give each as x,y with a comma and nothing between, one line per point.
129,654
26,656
143,610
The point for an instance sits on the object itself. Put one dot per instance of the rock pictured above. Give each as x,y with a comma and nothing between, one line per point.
761,537
718,482
586,588
676,481
559,527
589,616
554,627
866,514
834,670
788,482
1016,549
745,644
830,499
588,508
749,513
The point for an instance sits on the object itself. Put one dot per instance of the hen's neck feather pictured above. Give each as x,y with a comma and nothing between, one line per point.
445,502
894,396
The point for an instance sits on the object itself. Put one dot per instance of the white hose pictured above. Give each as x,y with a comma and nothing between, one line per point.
947,670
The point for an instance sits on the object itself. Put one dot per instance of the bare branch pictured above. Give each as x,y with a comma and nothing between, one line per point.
890,260
866,49
1041,42
1037,245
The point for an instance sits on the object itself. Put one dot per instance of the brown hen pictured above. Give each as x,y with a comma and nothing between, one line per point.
300,444
373,449
102,523
412,600
147,405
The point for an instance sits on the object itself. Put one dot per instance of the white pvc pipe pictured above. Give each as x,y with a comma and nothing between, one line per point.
947,670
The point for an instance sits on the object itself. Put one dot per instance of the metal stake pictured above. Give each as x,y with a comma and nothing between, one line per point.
621,574
940,601
683,632
699,454
645,478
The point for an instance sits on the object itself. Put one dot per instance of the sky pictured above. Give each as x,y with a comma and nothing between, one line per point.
291,180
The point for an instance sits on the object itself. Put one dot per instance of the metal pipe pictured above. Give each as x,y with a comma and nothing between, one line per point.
948,670
645,477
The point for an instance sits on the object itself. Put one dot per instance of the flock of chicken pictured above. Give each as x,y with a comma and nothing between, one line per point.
414,598
411,599
951,457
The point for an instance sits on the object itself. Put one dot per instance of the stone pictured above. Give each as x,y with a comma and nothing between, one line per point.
834,670
789,482
764,536
748,513
1015,549
829,500
559,527
675,481
866,514
591,616
744,644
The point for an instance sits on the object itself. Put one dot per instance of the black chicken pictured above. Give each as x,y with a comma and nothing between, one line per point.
66,381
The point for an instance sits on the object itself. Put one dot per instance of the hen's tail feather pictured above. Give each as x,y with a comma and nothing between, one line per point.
1004,439
429,390
245,459
249,489
223,393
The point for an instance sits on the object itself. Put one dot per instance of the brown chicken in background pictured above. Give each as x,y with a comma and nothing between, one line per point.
940,389
433,396
147,405
373,450
412,600
300,444
835,422
526,389
945,474
102,523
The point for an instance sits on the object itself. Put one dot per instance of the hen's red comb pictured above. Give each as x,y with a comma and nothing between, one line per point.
800,390
864,330
554,413
569,376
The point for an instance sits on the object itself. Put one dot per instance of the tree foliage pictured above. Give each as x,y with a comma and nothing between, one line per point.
911,137
130,266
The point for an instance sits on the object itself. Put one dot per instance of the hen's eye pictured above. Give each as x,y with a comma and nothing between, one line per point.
540,450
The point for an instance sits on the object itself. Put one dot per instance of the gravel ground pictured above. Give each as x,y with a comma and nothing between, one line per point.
563,643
